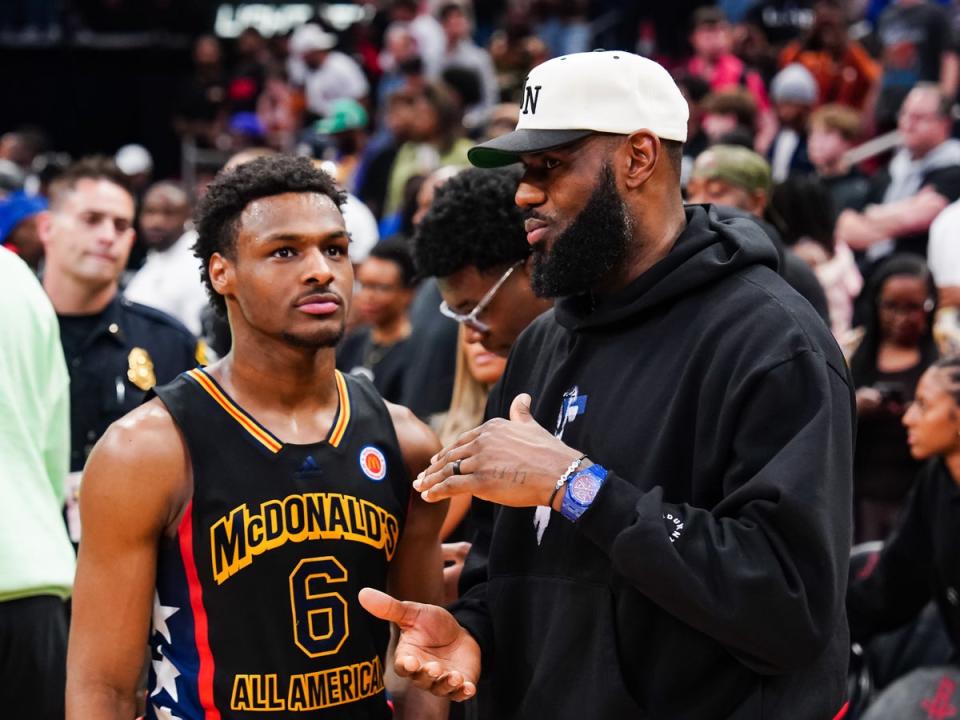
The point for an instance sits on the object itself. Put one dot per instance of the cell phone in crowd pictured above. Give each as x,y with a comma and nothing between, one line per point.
892,392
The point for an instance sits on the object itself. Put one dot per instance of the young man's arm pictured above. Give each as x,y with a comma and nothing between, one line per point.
135,486
416,572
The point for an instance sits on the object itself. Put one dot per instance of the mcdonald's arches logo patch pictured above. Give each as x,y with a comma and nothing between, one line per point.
373,463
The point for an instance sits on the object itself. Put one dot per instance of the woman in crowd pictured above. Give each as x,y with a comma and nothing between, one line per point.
919,560
477,371
895,347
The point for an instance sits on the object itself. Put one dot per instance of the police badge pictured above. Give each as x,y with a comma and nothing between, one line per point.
140,369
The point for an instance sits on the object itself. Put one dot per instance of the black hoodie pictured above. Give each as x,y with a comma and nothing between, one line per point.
707,579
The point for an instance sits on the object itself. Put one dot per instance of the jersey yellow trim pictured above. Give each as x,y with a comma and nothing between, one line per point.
343,416
256,430
246,422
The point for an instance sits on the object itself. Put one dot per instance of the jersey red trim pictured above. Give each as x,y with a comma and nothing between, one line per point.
843,712
205,678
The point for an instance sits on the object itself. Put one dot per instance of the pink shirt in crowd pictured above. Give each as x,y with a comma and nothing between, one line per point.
730,72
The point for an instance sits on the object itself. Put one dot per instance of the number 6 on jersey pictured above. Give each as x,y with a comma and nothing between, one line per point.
320,624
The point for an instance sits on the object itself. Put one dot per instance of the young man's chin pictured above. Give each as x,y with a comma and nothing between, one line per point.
315,340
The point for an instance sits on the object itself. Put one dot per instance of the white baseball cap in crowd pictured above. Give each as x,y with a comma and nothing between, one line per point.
133,160
604,91
309,37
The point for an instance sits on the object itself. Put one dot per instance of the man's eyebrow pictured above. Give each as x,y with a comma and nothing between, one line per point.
304,237
101,211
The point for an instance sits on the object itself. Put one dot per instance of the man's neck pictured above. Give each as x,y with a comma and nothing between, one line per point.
165,246
291,377
653,238
711,62
70,297
798,126
924,153
391,332
834,169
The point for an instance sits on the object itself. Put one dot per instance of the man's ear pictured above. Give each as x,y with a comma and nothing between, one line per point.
44,222
221,274
643,149
759,201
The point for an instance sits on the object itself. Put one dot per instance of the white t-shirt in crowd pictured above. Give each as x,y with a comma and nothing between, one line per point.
943,248
339,77
170,281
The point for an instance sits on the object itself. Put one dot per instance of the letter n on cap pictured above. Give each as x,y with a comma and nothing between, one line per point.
530,97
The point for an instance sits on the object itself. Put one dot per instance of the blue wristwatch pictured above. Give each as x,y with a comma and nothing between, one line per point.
581,489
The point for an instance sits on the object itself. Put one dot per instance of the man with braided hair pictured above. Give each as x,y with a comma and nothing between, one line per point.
918,562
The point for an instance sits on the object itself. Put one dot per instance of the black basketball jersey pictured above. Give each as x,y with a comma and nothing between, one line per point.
255,613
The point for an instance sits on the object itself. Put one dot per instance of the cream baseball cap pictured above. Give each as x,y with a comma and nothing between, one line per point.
570,97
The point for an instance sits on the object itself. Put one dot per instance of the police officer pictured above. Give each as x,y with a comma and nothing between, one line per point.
116,350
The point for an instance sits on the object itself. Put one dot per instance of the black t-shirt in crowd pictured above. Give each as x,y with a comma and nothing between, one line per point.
384,365
202,98
883,468
913,38
848,191
428,386
945,180
920,562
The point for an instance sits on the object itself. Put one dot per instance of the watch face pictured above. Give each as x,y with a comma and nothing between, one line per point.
584,488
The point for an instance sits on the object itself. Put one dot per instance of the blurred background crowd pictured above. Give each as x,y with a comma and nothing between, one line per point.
832,122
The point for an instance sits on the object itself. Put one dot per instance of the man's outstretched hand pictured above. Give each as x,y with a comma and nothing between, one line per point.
433,650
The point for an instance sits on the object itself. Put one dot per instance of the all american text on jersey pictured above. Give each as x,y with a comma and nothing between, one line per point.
309,691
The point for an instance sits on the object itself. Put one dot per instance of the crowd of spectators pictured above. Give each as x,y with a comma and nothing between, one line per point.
832,123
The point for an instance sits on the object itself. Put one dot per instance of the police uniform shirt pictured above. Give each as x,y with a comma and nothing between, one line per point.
114,358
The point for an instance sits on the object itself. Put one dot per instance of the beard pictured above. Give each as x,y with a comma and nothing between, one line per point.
317,340
590,249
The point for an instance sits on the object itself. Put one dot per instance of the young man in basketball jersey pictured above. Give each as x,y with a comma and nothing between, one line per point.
238,513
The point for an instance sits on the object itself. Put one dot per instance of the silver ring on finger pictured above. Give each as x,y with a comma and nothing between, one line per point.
456,467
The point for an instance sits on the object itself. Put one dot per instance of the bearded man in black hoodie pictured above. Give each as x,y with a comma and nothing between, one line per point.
674,453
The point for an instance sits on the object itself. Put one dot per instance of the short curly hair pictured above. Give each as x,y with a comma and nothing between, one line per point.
217,217
473,221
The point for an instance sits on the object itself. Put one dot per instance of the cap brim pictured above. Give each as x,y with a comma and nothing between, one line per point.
506,149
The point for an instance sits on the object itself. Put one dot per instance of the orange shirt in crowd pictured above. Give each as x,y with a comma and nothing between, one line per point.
847,80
